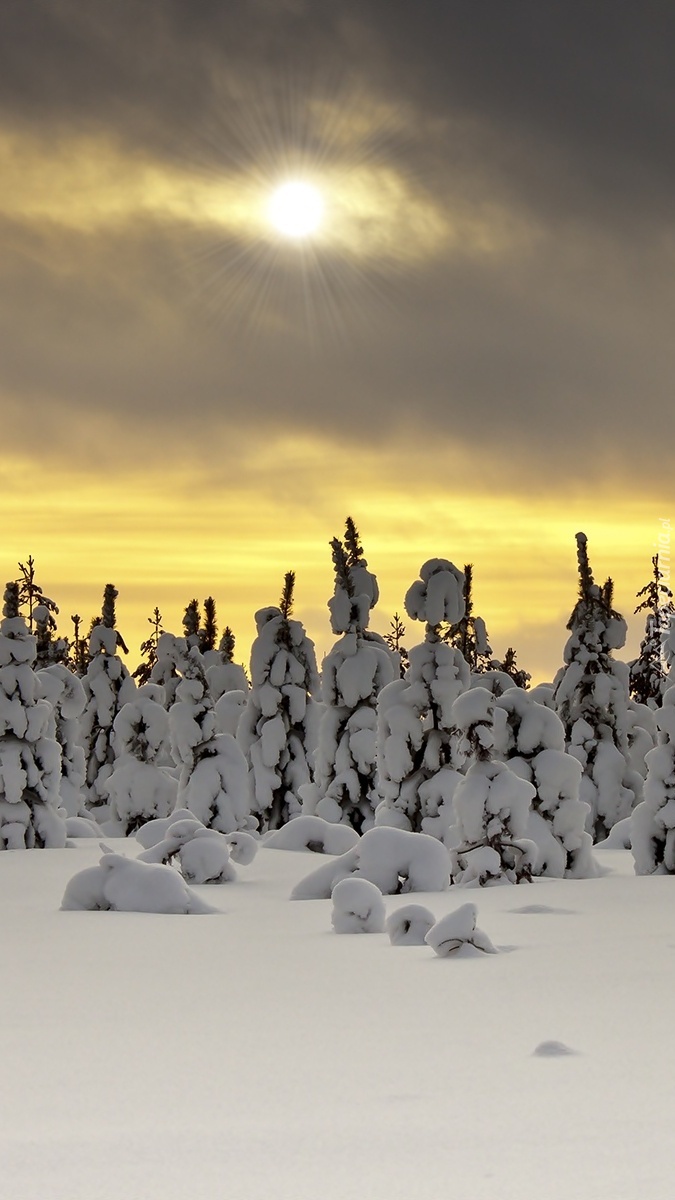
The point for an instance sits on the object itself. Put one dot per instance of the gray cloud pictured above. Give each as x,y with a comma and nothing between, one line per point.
560,115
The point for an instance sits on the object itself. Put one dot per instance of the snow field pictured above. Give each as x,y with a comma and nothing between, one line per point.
256,1054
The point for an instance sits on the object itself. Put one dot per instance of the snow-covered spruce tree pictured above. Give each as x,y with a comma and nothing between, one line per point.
164,671
591,699
143,672
107,686
139,788
653,821
64,691
488,841
354,671
213,781
416,762
223,673
469,635
532,743
30,757
648,679
49,649
277,730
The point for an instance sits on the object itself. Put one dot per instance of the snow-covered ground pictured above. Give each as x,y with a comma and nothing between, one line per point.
257,1055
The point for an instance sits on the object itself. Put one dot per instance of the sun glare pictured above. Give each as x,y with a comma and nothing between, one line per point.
296,209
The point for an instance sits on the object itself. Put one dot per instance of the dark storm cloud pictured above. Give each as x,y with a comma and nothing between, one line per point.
575,101
561,114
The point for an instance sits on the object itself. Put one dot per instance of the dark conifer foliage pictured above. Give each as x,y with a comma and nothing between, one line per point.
209,631
648,678
149,649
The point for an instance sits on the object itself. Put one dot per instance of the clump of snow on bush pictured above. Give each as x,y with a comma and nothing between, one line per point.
125,885
393,859
243,847
312,833
153,831
409,925
458,930
358,907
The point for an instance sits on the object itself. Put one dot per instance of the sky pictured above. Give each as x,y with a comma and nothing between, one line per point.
472,356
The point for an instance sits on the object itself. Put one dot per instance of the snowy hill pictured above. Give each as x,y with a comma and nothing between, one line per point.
255,1054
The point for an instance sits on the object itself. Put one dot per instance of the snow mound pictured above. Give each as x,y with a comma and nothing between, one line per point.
527,909
243,847
82,827
313,833
358,907
125,885
409,925
393,859
456,930
553,1050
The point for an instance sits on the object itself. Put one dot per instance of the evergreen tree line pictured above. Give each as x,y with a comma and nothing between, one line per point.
438,737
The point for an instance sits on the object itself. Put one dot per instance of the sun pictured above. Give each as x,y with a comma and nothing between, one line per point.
296,209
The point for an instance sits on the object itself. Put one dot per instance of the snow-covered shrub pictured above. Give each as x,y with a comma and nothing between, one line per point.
243,847
653,821
206,859
360,664
277,730
409,925
416,761
65,693
163,670
201,855
154,831
489,838
312,833
532,742
393,859
358,907
107,686
139,788
457,930
30,756
125,885
591,697
213,783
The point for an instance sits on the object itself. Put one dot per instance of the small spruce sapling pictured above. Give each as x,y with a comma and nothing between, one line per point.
143,672
648,679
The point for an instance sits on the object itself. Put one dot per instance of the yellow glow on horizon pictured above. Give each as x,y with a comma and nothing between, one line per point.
147,537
